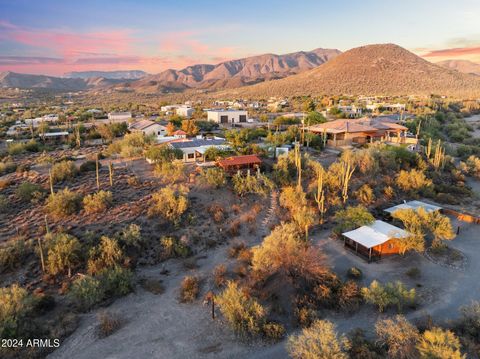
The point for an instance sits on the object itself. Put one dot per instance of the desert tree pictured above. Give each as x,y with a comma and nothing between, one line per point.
63,253
352,217
439,343
319,341
399,336
285,252
243,313
169,203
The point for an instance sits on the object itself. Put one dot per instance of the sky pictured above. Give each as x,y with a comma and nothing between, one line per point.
54,37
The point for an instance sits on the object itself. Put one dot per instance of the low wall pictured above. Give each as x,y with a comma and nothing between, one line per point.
464,217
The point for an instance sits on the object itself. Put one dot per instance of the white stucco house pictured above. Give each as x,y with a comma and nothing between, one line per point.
227,116
148,127
194,149
185,111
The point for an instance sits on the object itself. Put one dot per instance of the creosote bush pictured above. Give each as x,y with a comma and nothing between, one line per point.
213,177
16,304
28,191
169,204
98,202
173,248
64,170
63,203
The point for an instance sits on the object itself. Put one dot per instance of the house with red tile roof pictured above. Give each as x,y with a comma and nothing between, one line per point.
347,132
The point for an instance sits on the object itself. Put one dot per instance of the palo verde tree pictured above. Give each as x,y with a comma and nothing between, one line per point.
319,341
63,253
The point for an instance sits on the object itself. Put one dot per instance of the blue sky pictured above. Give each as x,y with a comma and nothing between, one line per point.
54,37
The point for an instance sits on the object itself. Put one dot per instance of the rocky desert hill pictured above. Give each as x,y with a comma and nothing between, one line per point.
464,66
235,73
370,70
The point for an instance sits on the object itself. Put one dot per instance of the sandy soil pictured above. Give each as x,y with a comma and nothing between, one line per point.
157,326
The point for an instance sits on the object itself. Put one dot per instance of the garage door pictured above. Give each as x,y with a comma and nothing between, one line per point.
243,118
223,119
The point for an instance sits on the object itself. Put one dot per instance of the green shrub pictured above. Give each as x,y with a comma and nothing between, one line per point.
7,167
189,289
86,291
63,203
390,294
243,313
214,177
89,166
3,203
107,254
98,202
16,148
15,306
64,170
354,273
169,204
116,281
245,184
413,273
63,253
351,218
172,248
170,172
12,254
273,331
28,191
131,236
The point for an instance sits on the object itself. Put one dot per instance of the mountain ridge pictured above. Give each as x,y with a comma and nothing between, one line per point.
235,73
377,69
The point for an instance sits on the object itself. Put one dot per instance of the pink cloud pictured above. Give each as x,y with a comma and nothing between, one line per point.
454,52
111,49
69,44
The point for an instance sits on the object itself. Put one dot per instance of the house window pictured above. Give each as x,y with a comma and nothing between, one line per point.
191,155
390,246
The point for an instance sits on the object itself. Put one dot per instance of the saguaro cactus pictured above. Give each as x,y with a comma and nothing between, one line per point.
320,196
97,172
110,173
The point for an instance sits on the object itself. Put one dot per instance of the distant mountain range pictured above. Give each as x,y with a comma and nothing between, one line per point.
370,70
367,70
465,66
13,79
111,75
235,73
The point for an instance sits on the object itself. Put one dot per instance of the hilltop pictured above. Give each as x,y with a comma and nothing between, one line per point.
371,70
